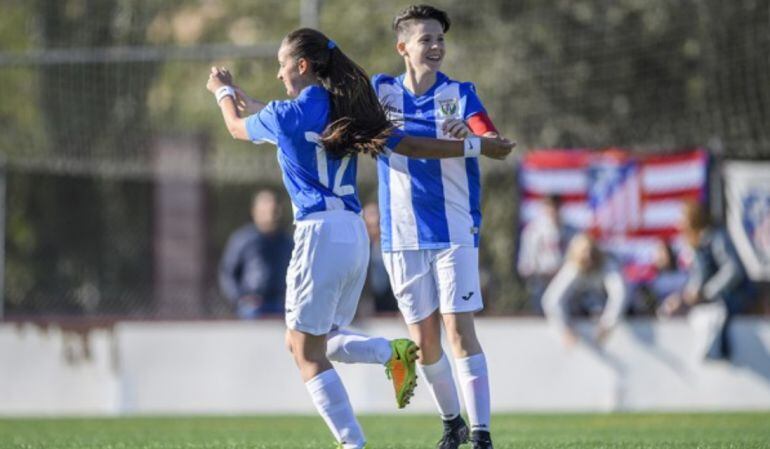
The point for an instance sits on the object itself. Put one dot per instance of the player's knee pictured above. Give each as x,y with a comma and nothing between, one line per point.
461,335
428,341
457,340
430,349
454,337
309,354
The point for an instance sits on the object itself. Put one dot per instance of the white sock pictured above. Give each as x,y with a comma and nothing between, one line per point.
474,382
442,386
347,346
331,401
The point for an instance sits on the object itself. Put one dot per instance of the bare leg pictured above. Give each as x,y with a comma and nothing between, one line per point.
325,387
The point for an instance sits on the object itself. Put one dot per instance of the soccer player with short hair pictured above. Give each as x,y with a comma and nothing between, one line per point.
431,217
332,117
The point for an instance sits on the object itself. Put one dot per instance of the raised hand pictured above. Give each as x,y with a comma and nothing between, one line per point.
218,77
225,76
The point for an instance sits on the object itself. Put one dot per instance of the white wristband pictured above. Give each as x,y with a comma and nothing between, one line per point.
472,146
224,91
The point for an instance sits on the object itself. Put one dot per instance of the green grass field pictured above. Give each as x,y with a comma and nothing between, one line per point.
596,431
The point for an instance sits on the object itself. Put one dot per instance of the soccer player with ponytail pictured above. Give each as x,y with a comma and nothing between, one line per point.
333,116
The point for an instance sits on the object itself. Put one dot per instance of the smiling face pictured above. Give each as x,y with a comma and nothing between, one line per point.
422,45
292,71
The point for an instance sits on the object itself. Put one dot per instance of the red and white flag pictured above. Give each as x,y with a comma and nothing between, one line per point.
628,201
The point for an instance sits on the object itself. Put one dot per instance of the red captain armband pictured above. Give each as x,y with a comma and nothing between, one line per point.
481,124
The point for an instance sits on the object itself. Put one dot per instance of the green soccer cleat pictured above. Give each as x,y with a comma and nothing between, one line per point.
401,369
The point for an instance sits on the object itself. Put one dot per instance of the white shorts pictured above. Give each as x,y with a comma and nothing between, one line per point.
327,271
429,279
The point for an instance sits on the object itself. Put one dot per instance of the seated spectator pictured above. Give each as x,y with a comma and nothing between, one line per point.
586,272
252,272
660,280
377,281
717,287
543,242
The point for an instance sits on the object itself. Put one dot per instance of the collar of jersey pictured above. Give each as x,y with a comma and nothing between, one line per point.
440,80
312,91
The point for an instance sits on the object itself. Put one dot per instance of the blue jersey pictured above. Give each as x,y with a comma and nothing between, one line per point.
428,203
315,180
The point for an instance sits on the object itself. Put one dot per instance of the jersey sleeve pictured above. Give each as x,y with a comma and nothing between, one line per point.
481,124
264,125
395,138
376,80
278,117
475,114
473,104
398,134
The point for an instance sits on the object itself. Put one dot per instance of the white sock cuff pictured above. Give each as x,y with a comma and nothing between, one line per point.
320,381
473,365
442,366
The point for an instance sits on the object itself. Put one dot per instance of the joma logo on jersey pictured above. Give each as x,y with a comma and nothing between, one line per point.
449,107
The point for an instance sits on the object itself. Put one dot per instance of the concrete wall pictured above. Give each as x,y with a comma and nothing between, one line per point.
238,367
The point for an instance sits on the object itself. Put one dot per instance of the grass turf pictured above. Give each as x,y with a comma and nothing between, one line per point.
596,431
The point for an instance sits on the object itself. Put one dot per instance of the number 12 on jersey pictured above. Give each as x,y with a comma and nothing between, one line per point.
322,163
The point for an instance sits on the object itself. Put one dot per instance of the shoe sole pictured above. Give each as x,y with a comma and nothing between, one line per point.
407,390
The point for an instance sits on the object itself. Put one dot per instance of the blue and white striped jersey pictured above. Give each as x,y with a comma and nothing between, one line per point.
315,181
424,203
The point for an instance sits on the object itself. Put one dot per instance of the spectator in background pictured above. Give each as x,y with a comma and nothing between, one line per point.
543,243
717,287
659,281
252,272
377,281
586,272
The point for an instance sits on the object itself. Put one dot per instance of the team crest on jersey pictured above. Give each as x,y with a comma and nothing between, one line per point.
449,107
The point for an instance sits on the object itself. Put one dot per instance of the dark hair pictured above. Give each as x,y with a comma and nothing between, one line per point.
357,121
420,12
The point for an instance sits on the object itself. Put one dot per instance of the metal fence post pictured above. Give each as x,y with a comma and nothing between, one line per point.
310,13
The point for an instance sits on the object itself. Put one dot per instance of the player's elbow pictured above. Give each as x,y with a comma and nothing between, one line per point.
234,132
237,129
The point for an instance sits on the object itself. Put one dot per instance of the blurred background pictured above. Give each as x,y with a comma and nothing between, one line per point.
120,188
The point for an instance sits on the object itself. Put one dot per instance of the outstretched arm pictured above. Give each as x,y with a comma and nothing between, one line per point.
428,148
